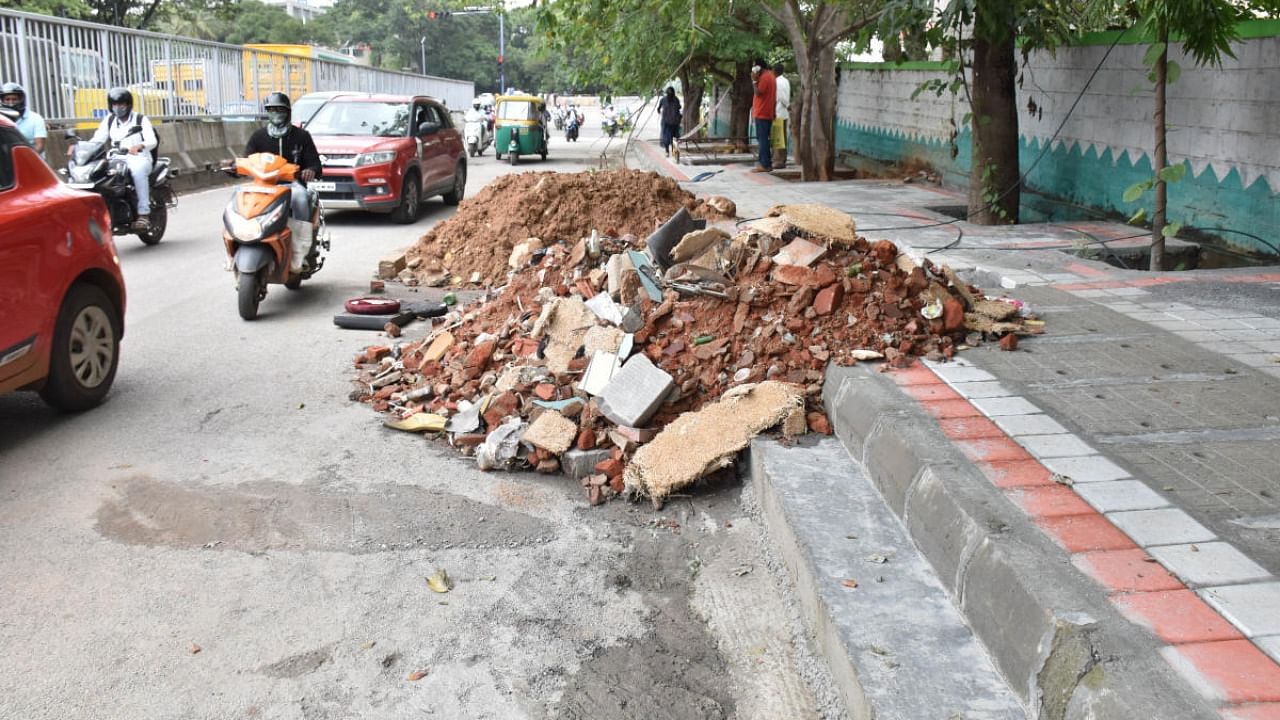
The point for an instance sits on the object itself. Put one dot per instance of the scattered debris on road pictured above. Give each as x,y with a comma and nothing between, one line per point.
638,366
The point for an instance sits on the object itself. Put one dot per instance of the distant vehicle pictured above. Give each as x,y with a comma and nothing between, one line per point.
386,153
308,105
61,291
268,68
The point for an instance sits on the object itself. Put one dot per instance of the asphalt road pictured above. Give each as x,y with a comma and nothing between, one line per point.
230,537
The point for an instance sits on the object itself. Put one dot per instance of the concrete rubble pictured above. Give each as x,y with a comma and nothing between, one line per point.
639,375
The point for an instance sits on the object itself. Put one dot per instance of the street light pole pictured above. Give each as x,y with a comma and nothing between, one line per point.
423,44
502,53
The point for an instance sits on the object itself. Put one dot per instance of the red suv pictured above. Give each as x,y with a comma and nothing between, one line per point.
61,291
386,153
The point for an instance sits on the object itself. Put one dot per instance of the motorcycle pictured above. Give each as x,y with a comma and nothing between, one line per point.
571,128
610,126
560,113
100,168
264,243
478,136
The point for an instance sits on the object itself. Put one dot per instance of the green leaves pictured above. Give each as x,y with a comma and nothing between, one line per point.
1138,217
1171,229
1173,173
1154,51
1135,191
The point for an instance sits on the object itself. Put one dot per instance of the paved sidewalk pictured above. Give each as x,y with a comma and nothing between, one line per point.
1139,433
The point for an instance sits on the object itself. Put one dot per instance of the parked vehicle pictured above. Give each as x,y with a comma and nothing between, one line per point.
100,168
62,295
520,128
387,153
264,243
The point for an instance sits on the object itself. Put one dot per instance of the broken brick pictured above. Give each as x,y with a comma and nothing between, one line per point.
828,299
819,423
500,408
1009,342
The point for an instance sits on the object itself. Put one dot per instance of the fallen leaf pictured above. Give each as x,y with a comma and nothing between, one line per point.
195,649
879,650
1063,479
741,570
849,583
878,559
439,581
417,675
369,645
1195,548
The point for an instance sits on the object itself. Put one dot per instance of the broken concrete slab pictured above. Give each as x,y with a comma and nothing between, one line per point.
694,244
438,347
814,220
552,432
578,464
523,252
666,237
599,373
635,392
799,252
601,338
566,322
698,443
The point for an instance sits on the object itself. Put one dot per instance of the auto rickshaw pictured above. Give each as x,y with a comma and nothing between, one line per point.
521,128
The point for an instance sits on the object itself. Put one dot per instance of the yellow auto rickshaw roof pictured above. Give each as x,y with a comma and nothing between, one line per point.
520,98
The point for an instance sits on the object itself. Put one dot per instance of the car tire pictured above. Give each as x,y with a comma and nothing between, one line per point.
454,196
410,201
86,350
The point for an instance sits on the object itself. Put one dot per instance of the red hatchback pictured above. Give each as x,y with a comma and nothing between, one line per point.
61,292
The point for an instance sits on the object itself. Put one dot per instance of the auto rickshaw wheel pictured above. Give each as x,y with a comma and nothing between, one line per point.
515,159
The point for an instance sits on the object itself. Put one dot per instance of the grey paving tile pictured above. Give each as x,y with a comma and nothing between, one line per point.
1168,526
1254,608
1119,495
1210,563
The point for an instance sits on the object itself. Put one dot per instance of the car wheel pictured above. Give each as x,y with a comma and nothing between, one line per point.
159,221
410,200
86,350
250,293
454,196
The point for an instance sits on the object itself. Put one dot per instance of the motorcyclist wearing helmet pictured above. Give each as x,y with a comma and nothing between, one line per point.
30,123
476,113
294,144
132,133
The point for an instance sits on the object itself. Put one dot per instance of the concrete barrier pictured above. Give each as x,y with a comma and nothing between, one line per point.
195,146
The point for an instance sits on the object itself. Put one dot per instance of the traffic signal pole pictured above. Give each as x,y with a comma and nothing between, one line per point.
502,41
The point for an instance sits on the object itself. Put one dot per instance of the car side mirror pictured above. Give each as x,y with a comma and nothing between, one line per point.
428,128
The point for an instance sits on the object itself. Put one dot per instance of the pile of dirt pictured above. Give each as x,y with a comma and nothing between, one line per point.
595,349
552,207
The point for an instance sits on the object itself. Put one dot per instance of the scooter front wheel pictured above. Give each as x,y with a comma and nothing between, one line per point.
250,293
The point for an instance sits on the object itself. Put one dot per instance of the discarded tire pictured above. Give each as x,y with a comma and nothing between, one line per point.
373,306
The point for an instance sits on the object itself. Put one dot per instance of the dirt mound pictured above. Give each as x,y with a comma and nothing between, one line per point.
553,207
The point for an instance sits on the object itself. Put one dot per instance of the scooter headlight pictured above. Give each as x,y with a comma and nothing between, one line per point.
85,173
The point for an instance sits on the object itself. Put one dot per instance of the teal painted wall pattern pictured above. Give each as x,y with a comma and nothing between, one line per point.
1224,127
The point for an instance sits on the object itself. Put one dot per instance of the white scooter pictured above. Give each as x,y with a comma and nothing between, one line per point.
476,133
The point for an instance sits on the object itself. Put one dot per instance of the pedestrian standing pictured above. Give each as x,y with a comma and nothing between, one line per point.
781,119
669,112
29,122
763,107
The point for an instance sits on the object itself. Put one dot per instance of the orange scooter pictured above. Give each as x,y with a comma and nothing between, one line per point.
265,243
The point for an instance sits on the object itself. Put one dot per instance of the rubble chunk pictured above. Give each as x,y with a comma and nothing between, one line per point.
635,392
552,432
578,464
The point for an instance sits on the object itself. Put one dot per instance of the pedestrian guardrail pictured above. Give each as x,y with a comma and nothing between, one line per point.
67,66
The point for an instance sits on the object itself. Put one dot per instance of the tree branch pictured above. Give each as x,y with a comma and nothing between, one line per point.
853,27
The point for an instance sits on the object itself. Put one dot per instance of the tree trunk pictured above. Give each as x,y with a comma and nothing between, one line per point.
1161,157
692,87
740,106
994,192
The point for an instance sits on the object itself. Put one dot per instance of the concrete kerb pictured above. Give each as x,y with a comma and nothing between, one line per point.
1050,630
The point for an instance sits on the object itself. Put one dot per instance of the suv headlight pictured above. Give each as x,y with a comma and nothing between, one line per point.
375,158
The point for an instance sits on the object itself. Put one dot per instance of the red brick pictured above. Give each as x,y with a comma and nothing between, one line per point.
611,467
823,276
792,275
1009,342
1016,473
480,354
468,440
1049,501
1085,533
546,391
944,409
992,449
617,484
525,347
818,423
952,315
1176,616
966,428
548,466
828,299
500,407
934,391
1233,671
595,494
1126,571
586,440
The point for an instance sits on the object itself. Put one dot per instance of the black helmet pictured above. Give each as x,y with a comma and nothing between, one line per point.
120,96
277,99
13,88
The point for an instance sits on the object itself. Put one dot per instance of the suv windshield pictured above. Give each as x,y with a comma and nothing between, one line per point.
384,119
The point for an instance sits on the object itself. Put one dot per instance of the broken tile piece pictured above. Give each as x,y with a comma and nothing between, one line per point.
635,392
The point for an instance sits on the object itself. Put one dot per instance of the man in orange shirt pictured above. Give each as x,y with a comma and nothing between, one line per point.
762,111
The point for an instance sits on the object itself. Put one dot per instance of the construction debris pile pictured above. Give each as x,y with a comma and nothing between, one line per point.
640,366
472,247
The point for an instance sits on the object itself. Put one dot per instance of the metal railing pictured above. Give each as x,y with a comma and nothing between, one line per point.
67,66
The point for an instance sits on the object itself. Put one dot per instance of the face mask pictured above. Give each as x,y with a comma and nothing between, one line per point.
279,118
121,111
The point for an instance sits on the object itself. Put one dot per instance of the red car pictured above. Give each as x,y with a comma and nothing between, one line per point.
61,292
387,153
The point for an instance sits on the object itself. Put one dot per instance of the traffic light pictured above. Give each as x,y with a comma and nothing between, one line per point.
438,14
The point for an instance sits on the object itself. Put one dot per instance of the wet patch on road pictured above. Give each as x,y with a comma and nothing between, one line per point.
298,665
262,516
